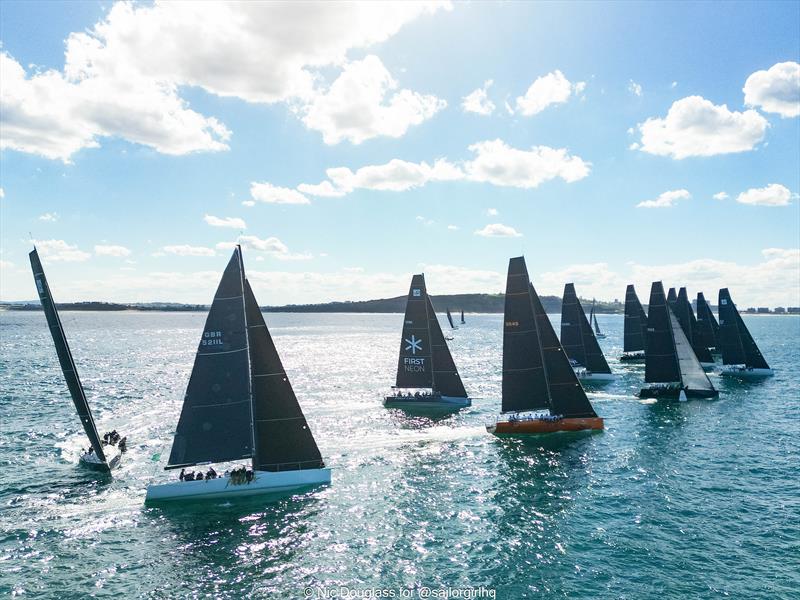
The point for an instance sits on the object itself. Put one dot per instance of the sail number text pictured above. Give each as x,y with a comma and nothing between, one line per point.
211,338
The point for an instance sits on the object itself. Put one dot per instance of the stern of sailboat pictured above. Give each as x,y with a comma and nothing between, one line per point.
540,426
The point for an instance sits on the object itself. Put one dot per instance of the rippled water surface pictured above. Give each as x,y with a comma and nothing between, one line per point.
690,500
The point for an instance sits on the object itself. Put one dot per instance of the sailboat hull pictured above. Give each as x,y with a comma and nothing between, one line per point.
632,357
90,461
745,372
539,426
585,375
674,393
429,403
264,482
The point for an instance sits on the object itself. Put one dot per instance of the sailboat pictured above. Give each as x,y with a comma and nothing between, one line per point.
593,320
672,297
450,320
683,310
635,328
462,317
427,376
240,406
102,455
739,350
579,342
671,365
707,326
541,393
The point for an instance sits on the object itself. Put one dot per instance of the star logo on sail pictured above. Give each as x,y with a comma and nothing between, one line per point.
414,344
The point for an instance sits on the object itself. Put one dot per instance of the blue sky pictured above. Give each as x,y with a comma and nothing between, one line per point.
118,154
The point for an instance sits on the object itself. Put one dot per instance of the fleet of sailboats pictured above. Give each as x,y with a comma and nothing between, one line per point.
579,340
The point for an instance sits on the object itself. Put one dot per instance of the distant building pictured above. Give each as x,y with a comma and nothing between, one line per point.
779,310
750,310
763,310
794,310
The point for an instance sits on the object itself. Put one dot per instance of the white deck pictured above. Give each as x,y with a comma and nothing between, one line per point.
585,375
264,482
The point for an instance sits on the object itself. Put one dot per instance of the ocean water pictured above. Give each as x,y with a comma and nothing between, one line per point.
692,500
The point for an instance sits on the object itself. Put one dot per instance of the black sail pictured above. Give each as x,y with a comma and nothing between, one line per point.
462,316
567,397
216,420
672,297
635,328
738,346
683,310
284,441
65,356
661,360
450,319
577,337
524,377
445,374
414,367
705,323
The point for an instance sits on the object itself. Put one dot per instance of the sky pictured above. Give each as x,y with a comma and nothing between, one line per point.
347,146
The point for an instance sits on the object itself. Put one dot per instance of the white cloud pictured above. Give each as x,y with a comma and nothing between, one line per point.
776,90
547,90
59,250
666,199
396,175
634,88
774,194
498,230
52,217
324,189
674,84
271,246
720,196
499,164
107,250
452,227
2,193
122,79
492,212
186,250
270,194
478,101
696,127
232,222
364,103
248,203
424,221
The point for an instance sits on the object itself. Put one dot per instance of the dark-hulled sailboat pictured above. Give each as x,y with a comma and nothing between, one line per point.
671,366
240,406
427,377
462,317
537,376
707,326
740,352
579,341
450,320
683,310
102,455
635,328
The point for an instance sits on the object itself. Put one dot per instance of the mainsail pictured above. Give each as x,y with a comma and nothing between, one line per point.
661,360
462,316
595,323
635,328
672,297
283,440
536,371
683,311
65,356
450,319
216,420
707,326
738,346
577,337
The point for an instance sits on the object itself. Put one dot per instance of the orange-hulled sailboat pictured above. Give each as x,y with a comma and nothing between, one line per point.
541,393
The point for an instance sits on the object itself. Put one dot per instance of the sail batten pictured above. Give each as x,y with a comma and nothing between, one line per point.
64,354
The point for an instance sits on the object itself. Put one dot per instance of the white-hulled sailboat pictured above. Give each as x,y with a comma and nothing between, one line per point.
635,328
102,455
541,393
579,341
740,354
240,406
427,377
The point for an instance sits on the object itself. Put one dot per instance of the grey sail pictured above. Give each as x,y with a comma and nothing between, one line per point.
446,379
283,439
577,337
595,323
693,377
216,419
65,356
661,360
414,366
683,310
635,327
738,346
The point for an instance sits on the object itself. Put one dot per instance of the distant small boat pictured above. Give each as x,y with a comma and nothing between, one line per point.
579,341
593,319
671,365
683,310
541,393
740,353
707,326
240,406
462,317
450,320
105,454
427,377
635,328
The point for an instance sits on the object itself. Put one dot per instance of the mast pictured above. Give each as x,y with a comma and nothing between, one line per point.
65,359
635,327
661,361
738,346
249,358
414,365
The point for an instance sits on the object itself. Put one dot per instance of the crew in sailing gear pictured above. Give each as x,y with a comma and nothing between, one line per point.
182,475
211,474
